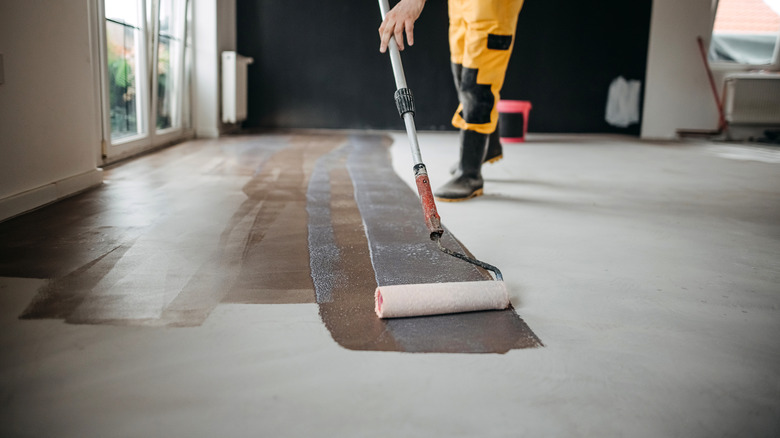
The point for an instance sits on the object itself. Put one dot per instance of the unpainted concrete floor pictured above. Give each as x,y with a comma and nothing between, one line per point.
650,271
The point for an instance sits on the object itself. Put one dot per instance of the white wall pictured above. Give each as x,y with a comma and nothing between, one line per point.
206,74
677,91
215,32
49,107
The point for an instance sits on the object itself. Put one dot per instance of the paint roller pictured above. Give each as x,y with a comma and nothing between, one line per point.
434,298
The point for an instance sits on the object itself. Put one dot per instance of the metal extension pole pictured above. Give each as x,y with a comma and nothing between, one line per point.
404,100
400,84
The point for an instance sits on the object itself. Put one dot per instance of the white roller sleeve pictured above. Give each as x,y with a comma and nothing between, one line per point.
437,298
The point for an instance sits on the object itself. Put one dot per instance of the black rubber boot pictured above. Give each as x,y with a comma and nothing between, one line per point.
467,182
494,153
494,150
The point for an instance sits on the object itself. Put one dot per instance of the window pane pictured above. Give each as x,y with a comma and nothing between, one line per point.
745,31
169,57
123,38
165,83
186,112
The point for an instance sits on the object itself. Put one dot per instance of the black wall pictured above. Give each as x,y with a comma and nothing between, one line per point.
317,64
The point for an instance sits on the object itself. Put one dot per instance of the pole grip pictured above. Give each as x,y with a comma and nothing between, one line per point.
432,219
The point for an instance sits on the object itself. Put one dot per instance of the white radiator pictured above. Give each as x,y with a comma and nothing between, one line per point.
752,99
234,87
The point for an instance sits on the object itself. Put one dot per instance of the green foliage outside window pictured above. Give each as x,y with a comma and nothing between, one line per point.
121,80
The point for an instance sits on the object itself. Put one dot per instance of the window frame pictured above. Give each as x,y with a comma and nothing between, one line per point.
151,137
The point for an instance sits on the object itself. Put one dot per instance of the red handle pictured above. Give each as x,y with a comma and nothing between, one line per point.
432,219
718,102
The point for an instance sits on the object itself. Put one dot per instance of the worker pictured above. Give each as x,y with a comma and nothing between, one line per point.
481,36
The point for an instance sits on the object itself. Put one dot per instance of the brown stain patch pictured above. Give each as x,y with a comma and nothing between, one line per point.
275,259
173,234
264,247
61,296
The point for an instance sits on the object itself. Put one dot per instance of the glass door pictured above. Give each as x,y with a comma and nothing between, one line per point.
126,63
145,81
169,75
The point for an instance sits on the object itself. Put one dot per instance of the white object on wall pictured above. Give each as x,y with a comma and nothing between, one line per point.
234,86
214,33
623,102
752,98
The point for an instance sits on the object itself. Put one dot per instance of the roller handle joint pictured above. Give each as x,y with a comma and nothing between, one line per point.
404,101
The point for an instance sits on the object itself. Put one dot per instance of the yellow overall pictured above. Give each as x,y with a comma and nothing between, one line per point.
481,39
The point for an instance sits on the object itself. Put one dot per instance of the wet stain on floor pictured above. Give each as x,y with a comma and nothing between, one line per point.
275,218
400,252
340,259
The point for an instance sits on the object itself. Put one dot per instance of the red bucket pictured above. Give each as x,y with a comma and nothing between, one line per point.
513,120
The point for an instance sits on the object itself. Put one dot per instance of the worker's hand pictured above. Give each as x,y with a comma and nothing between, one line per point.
401,18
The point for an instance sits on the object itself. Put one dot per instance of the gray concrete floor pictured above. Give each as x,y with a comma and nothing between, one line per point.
650,271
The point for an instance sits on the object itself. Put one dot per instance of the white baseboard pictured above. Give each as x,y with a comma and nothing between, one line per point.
19,203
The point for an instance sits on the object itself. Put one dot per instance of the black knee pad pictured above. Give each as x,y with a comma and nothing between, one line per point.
477,99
